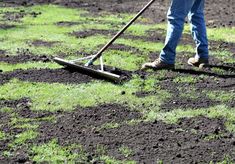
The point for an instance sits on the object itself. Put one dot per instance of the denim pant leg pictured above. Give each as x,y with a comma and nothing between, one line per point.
177,13
198,29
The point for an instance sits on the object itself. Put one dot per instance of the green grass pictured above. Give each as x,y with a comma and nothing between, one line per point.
124,60
21,122
6,67
222,34
52,152
5,110
185,79
125,151
45,96
110,125
219,111
23,137
224,55
111,160
223,96
2,135
66,97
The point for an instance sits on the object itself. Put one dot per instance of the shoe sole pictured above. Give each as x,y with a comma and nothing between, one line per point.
201,65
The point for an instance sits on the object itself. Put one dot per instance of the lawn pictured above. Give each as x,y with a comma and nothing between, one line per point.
51,114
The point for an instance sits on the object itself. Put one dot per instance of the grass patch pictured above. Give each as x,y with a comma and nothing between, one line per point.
111,160
6,67
6,110
224,56
214,137
45,96
28,122
23,137
185,79
109,126
219,111
27,126
52,152
125,151
124,60
221,34
2,135
223,96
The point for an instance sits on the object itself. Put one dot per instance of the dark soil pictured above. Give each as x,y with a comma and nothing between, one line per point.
123,47
17,16
14,103
188,103
24,58
38,43
152,36
184,142
88,20
149,142
6,26
218,13
21,108
157,36
48,76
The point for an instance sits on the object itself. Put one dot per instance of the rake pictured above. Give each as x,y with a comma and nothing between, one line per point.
87,68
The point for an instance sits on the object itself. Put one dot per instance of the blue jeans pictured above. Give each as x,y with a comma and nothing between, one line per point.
177,13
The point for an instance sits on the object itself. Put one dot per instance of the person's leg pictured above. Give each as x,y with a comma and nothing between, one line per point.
198,29
177,13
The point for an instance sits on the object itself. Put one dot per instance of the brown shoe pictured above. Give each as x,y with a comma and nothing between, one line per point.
198,62
157,65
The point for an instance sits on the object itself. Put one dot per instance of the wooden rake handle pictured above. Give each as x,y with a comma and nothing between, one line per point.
99,54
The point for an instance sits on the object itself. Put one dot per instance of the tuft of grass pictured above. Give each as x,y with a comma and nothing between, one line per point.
2,135
6,67
109,126
27,126
101,149
185,79
223,96
227,160
214,136
6,110
188,93
111,160
52,152
28,122
125,151
23,137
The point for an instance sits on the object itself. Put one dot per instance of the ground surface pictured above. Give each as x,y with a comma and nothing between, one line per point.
50,114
